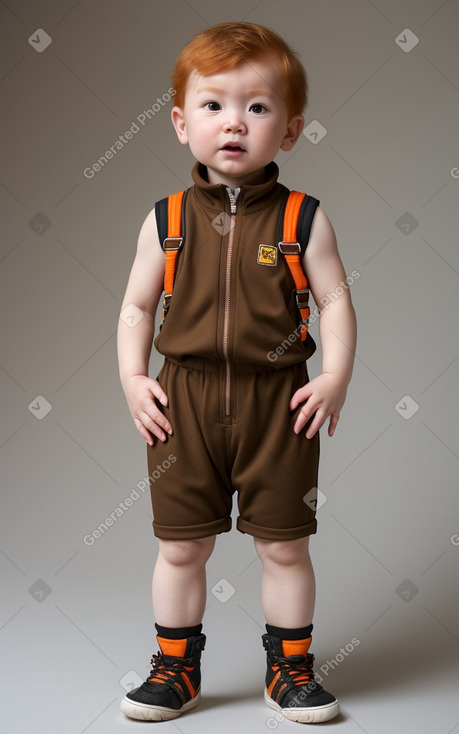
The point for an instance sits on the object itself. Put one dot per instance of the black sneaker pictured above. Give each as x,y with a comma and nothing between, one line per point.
291,688
174,683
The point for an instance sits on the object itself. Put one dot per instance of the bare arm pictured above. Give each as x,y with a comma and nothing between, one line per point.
325,395
135,334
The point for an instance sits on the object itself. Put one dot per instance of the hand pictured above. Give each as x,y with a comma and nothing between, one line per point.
323,396
140,392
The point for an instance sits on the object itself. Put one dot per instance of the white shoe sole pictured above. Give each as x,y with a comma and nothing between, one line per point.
305,715
146,712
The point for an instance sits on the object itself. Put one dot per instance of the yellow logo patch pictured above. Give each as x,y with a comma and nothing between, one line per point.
267,255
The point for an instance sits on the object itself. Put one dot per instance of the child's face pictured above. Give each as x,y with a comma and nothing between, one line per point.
236,122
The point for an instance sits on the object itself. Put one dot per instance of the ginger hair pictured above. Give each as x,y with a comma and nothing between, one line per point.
223,46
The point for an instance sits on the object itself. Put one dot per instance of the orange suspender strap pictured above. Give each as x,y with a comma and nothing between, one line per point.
290,248
172,245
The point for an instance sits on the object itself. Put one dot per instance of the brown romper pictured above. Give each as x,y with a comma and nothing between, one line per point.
228,388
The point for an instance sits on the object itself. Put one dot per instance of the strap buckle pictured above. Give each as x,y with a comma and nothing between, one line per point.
302,298
178,243
289,248
166,304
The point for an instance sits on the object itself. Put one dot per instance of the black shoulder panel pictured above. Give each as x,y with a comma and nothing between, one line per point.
161,219
306,215
161,213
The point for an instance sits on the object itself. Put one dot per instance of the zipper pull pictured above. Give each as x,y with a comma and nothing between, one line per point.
233,194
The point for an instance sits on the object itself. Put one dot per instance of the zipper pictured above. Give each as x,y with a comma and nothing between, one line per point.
233,194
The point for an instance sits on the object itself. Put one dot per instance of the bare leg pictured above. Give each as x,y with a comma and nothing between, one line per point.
179,581
288,585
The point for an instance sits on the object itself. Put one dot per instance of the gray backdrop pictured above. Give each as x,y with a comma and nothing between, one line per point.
380,151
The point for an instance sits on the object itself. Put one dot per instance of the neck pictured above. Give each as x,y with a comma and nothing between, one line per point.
234,182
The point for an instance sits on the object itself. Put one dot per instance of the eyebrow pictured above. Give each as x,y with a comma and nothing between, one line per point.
205,88
250,92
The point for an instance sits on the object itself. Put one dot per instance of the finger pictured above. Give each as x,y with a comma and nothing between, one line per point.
332,425
143,431
305,414
300,396
162,421
159,393
155,415
152,426
319,419
315,425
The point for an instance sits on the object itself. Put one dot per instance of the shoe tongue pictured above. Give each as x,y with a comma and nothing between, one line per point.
296,647
296,659
172,648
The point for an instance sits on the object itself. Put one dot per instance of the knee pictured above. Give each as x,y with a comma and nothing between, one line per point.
187,552
283,552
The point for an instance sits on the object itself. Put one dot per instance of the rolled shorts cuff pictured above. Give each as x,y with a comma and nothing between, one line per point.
192,532
258,531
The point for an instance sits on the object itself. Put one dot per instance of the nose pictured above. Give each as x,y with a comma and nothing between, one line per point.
234,124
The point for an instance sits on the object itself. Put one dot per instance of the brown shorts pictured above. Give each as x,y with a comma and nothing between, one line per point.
254,452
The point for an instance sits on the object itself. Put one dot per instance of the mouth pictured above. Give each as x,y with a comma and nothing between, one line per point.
234,147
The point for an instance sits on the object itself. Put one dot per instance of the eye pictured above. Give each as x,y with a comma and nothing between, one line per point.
212,106
257,109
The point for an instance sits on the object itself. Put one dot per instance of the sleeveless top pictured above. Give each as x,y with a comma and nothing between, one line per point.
234,296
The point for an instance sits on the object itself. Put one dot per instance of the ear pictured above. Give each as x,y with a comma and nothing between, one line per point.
178,121
294,129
